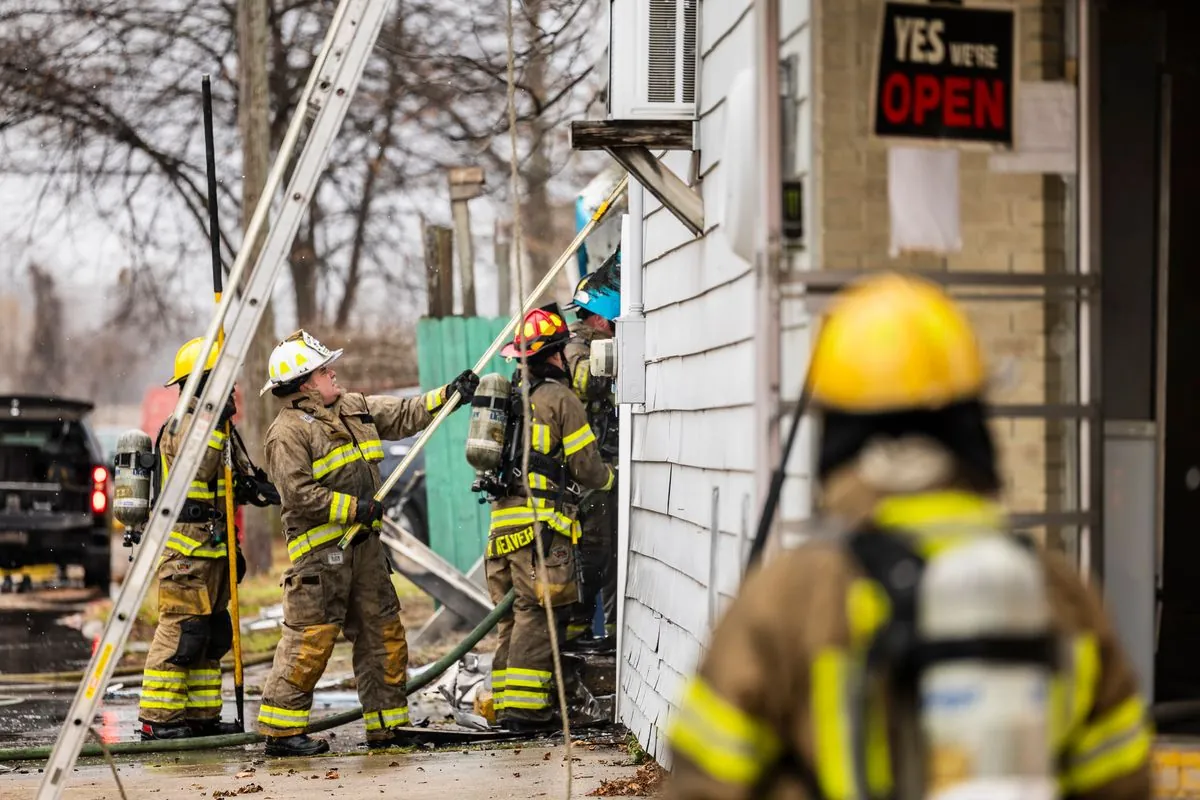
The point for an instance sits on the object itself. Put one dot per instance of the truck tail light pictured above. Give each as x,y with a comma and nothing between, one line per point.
99,490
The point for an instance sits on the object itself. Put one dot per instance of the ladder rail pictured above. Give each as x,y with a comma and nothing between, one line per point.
293,139
334,81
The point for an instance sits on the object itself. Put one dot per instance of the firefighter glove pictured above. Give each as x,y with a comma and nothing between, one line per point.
227,412
255,490
465,384
366,511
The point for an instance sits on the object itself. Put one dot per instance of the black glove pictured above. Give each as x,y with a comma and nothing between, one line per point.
465,384
366,511
227,412
241,567
255,490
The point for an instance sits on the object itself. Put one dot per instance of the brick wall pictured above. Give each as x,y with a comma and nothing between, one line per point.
1010,223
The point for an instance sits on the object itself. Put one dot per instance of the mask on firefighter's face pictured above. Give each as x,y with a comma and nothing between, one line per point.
324,382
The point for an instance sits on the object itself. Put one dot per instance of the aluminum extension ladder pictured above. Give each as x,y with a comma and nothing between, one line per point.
322,108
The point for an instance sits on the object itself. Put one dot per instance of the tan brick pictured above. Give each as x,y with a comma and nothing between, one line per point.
975,259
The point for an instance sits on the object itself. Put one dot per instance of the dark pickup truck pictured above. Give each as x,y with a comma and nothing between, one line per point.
55,487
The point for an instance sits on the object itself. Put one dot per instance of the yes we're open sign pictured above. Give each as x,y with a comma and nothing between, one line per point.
946,73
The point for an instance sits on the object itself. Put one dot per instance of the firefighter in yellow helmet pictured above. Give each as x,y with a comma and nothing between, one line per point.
181,685
323,451
816,682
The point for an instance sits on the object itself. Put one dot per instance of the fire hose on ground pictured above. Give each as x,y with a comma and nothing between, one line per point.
427,676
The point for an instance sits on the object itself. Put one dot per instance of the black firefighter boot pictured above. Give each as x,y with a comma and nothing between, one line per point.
299,745
160,731
214,727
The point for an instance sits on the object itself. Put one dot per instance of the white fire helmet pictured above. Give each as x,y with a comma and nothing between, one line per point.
296,356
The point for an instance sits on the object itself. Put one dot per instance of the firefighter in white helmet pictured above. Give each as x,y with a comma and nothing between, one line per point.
323,451
822,678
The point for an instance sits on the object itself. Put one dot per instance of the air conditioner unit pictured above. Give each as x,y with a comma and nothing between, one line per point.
652,59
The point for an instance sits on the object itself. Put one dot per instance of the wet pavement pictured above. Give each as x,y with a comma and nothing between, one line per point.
533,769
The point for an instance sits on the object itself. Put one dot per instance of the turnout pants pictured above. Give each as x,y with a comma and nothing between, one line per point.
597,553
182,679
325,592
522,668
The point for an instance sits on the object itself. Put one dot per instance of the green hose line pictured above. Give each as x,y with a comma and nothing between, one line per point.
428,676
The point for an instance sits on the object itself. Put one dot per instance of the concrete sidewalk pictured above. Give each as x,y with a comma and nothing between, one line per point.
533,770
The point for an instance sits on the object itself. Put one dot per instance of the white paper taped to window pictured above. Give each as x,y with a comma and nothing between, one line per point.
923,200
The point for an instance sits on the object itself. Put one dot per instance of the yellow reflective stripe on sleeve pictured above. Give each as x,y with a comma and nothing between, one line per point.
1113,746
340,507
217,440
199,490
335,459
578,440
312,539
718,737
372,449
832,744
539,437
435,398
583,373
612,478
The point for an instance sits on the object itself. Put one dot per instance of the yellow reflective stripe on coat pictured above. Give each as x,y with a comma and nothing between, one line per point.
1073,690
583,374
539,437
574,442
282,718
832,745
524,515
313,538
612,478
721,739
341,505
217,440
335,459
185,545
435,398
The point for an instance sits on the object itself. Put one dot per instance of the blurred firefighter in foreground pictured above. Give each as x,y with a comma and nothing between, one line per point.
564,459
181,686
323,451
597,304
930,652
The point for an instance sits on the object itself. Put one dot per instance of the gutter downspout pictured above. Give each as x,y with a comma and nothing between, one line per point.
631,390
767,305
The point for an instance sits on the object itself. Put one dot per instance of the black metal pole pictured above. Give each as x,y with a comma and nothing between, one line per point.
777,478
210,164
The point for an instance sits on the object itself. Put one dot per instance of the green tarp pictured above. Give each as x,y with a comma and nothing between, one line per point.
458,523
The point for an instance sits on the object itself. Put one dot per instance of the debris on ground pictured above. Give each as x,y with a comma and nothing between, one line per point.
646,782
331,775
249,788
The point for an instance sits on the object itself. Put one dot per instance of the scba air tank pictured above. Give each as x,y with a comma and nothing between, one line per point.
133,469
986,720
489,417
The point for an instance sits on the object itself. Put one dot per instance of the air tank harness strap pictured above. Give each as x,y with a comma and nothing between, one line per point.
890,560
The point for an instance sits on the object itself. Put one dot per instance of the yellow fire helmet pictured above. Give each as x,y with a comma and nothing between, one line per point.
296,356
185,360
894,343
